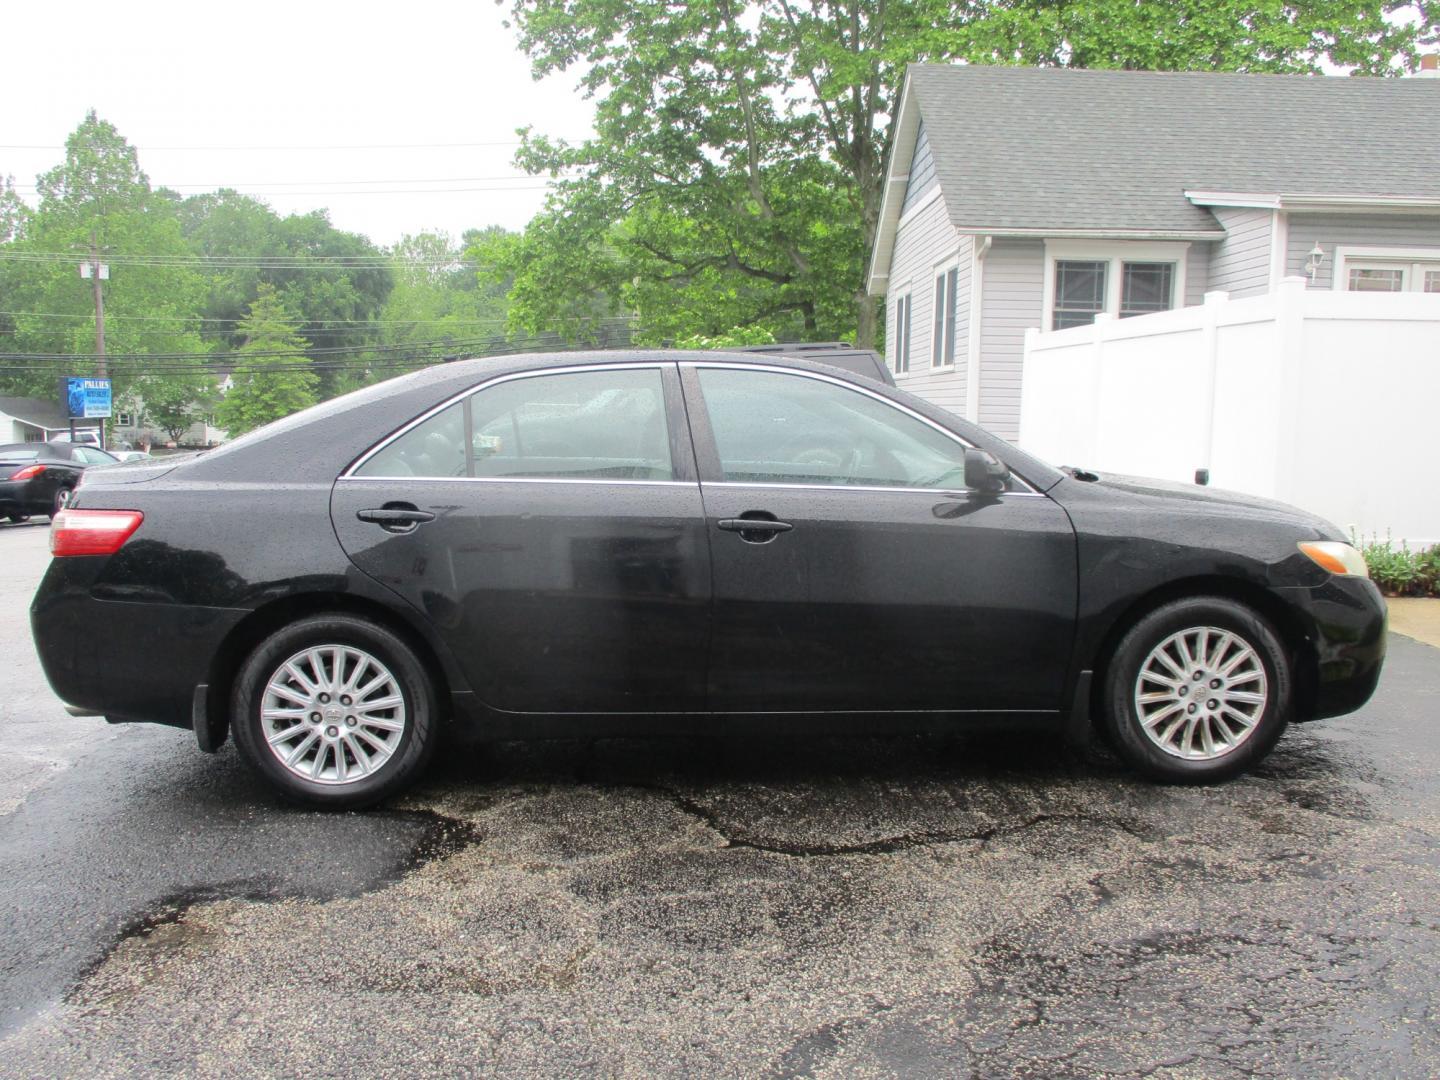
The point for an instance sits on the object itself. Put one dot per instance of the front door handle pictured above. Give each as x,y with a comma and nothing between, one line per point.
396,518
755,526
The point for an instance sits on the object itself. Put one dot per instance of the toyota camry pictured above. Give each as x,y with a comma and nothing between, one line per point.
665,542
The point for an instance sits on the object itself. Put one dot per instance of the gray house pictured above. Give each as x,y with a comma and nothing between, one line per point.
34,420
1019,197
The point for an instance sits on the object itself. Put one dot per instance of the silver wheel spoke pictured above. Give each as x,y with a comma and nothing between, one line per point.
1200,693
344,743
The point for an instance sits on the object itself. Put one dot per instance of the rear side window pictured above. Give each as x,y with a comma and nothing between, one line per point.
607,425
603,425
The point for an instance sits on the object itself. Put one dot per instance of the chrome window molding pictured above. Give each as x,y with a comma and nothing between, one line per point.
818,377
519,480
349,472
952,492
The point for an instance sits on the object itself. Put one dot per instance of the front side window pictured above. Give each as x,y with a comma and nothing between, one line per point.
604,425
773,428
1080,287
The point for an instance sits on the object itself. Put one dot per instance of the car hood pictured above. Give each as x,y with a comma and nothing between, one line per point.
1182,499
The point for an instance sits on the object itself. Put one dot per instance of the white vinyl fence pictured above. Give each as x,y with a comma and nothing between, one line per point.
1326,400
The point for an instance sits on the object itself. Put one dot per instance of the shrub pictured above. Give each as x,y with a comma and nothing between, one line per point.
1398,571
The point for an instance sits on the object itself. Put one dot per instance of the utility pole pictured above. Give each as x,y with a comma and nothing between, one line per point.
98,270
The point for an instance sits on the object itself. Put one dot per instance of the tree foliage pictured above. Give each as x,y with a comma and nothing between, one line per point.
98,198
274,377
736,174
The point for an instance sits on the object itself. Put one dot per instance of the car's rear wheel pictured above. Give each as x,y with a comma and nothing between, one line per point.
18,519
1198,690
335,711
60,501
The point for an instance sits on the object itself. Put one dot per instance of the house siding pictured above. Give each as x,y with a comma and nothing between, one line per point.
1197,274
925,242
1240,264
1358,230
1012,300
922,172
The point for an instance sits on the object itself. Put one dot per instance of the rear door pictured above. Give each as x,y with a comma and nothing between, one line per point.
852,569
549,525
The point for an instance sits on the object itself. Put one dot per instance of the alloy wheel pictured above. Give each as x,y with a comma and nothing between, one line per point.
1201,693
333,714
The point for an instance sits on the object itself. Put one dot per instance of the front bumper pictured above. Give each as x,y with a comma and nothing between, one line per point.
1346,621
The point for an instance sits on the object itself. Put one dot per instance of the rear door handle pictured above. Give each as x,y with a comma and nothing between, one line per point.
397,519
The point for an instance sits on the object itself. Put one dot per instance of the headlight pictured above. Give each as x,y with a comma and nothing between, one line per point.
1336,557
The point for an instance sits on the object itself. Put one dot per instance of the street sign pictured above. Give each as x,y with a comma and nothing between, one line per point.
84,398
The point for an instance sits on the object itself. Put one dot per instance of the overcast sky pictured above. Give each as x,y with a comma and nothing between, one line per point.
249,96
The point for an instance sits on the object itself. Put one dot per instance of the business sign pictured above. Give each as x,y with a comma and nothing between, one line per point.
85,399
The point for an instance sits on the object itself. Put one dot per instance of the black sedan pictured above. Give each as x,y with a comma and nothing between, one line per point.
661,542
37,478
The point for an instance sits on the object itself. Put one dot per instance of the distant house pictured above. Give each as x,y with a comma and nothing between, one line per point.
1019,198
34,420
131,424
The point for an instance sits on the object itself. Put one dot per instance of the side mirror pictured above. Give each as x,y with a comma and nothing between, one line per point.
985,472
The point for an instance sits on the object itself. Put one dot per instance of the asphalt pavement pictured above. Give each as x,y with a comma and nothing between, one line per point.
718,906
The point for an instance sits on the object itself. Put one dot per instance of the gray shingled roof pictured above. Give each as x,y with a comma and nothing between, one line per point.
35,411
1048,148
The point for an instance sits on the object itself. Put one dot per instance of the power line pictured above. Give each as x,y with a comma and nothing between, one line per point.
28,188
290,148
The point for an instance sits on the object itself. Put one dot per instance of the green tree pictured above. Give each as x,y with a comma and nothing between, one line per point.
736,174
438,298
13,211
336,283
273,376
99,198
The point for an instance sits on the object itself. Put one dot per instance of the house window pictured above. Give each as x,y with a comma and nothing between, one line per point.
902,334
124,419
1387,269
1085,278
1146,287
1079,292
942,346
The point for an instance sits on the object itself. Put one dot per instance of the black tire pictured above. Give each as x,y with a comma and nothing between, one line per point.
421,712
60,500
18,519
1122,686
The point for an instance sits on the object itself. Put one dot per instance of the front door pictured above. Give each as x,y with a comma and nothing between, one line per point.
853,571
550,527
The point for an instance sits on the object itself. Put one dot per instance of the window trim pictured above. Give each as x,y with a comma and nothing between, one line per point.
694,367
1400,258
677,463
939,320
1116,253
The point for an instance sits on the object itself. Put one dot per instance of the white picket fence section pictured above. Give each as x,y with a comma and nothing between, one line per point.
1326,400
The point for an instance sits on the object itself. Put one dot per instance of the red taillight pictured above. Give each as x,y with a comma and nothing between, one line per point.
92,532
27,473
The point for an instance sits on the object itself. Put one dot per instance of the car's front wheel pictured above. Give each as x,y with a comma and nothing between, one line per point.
1198,690
335,711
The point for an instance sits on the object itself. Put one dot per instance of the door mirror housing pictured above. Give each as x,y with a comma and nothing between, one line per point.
984,471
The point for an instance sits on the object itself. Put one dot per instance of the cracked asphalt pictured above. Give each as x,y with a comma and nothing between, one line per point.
776,907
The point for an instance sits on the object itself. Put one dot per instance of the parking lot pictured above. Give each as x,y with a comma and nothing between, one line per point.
720,906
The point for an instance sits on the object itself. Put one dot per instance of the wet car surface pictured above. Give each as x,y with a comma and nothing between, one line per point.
714,906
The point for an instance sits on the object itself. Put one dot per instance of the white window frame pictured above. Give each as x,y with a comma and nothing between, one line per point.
943,323
1413,260
1115,253
124,419
904,319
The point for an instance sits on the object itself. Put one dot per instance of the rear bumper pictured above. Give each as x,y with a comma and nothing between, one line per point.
122,660
1346,617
